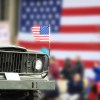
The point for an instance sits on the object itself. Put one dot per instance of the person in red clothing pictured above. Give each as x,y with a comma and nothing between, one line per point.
53,74
54,68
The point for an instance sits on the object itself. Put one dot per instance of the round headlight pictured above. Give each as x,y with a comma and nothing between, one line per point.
38,64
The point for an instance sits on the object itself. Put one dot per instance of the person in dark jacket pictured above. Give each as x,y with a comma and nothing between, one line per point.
78,67
75,89
75,86
67,70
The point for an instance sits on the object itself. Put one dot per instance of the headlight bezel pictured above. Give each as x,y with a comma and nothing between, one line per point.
45,63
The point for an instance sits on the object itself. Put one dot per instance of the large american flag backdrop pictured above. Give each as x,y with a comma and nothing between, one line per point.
75,27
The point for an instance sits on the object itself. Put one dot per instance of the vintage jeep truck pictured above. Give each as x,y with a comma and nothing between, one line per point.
32,68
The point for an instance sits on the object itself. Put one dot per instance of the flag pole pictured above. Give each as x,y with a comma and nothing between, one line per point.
49,39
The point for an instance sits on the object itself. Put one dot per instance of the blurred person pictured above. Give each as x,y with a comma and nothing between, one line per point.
54,68
96,86
96,70
67,70
54,74
75,89
78,67
87,87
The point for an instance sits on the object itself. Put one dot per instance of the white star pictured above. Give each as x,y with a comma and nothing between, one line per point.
38,3
34,22
28,9
24,16
43,16
38,16
58,2
27,22
41,22
55,28
41,9
44,3
23,28
31,16
24,4
31,4
47,22
57,15
53,22
54,9
48,9
51,2
50,16
35,9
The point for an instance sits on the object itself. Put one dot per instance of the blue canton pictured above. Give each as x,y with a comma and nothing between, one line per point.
43,12
44,30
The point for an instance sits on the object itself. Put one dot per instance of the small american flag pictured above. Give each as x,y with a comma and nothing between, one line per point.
41,33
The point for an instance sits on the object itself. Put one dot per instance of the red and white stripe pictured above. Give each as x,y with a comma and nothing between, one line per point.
79,33
37,36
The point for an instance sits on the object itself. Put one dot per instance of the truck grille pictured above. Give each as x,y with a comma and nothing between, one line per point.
17,62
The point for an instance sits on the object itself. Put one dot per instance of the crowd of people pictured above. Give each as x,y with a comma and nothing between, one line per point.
71,84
